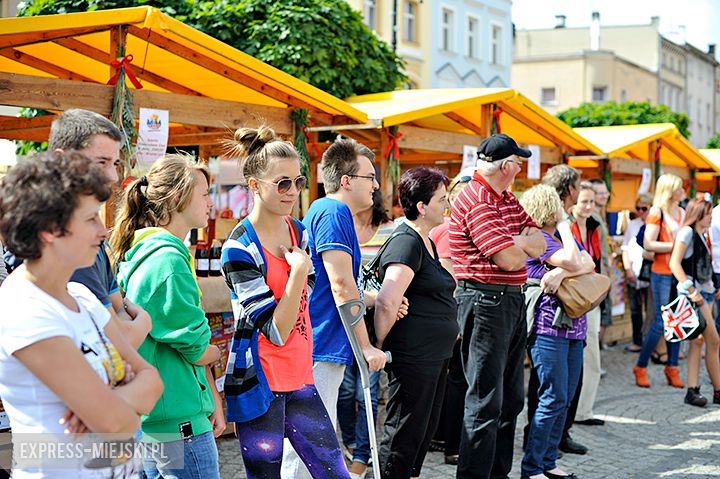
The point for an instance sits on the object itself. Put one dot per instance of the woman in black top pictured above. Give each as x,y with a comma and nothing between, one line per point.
421,343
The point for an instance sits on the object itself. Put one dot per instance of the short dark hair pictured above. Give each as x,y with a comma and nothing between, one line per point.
73,129
379,212
419,184
561,177
340,160
41,193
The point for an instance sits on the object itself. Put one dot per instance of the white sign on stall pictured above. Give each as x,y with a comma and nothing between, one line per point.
152,137
469,157
534,162
645,183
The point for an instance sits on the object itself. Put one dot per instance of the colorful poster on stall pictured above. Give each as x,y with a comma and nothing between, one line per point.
534,163
152,137
469,157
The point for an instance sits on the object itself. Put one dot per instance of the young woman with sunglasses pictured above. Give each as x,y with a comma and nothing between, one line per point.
691,264
269,386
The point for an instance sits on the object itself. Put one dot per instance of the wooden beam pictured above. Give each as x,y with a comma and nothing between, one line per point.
486,118
12,123
415,138
532,124
42,65
22,39
196,139
465,123
26,135
221,69
105,58
56,94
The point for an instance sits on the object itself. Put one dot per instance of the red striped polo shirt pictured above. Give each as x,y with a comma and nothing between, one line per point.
482,224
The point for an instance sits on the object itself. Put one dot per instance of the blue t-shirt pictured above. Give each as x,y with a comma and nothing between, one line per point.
99,278
330,226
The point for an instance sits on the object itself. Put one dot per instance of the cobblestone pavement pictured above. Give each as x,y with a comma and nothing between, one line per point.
647,434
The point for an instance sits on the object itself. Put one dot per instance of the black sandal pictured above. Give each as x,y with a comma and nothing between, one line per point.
658,358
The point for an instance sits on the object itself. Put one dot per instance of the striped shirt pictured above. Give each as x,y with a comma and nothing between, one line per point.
482,224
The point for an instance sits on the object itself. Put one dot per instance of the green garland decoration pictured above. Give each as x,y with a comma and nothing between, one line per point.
606,173
716,193
393,162
123,115
693,184
300,121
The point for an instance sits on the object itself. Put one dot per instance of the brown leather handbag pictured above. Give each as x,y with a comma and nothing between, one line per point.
580,294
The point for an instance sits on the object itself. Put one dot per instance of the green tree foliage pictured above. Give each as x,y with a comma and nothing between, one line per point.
714,142
323,42
626,113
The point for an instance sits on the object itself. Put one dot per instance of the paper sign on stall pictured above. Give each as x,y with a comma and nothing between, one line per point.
645,183
152,137
469,157
534,163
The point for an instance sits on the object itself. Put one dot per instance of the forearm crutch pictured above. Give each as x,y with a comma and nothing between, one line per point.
349,321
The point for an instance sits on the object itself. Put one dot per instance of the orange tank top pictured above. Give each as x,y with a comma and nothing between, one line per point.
288,367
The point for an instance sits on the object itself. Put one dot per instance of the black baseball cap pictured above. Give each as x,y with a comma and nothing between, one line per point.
500,146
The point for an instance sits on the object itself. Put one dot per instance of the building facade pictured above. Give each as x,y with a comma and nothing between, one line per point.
563,81
446,43
685,76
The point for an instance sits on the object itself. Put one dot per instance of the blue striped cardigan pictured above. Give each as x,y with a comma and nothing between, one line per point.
247,393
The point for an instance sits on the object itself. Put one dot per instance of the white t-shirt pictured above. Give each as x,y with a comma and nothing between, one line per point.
31,315
635,251
715,238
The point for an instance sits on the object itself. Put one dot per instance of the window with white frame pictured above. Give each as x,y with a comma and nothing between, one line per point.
473,38
599,93
370,14
448,29
496,45
548,96
410,21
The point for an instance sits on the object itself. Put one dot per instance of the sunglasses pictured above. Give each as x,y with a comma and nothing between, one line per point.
641,208
284,185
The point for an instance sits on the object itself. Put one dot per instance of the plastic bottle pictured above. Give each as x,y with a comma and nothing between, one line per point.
216,259
202,260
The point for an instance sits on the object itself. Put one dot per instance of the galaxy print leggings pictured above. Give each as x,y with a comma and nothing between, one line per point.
302,418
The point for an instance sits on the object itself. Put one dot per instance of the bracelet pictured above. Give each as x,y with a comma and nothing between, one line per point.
687,284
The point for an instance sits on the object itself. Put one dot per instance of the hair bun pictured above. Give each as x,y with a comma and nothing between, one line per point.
250,140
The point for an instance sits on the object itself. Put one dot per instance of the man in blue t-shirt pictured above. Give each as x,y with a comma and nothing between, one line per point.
100,140
349,178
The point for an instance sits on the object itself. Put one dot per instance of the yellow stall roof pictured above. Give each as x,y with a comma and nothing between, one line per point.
458,111
167,56
631,141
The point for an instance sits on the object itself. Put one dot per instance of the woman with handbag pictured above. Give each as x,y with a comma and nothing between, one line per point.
556,349
662,224
691,264
421,343
637,263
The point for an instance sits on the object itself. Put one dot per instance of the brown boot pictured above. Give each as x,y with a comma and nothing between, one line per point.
641,378
673,377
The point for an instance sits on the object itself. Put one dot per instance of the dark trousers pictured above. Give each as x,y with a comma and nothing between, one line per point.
494,332
415,394
451,416
638,304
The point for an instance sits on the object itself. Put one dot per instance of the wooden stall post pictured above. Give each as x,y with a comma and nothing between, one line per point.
386,180
693,182
486,120
654,156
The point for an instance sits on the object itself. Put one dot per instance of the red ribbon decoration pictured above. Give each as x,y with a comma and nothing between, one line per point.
124,63
393,145
309,141
496,117
657,152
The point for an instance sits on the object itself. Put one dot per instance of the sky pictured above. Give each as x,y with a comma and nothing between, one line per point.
700,18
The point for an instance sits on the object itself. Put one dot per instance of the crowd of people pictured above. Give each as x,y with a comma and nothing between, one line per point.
104,331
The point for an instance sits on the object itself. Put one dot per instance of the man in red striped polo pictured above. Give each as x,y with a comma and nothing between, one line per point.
491,237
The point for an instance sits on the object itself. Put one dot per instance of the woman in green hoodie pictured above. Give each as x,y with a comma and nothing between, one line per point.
156,271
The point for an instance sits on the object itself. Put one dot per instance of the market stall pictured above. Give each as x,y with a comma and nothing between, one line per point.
710,182
434,127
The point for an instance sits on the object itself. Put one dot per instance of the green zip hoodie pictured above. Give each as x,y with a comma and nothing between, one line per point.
157,274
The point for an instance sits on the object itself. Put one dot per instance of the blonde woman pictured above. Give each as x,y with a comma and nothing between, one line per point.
556,348
662,224
156,271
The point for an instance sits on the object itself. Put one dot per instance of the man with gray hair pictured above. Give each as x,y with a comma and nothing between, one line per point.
491,237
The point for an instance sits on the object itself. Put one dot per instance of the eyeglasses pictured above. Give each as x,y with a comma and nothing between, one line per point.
517,162
367,177
284,185
641,208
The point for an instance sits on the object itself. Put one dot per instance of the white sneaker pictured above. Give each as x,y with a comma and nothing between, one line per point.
354,475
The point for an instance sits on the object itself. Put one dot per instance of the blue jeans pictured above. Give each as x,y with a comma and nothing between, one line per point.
353,422
558,362
193,458
660,285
